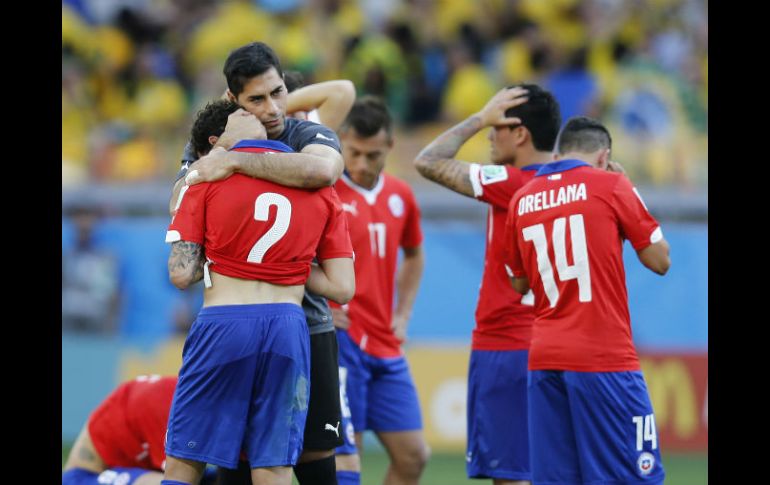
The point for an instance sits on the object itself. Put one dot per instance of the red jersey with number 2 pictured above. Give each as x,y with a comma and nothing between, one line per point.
255,229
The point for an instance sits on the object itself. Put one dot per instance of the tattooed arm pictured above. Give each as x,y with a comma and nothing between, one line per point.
436,162
185,263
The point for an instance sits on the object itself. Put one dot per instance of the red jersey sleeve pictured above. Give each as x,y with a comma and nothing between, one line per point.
335,240
189,222
511,254
412,235
636,223
495,184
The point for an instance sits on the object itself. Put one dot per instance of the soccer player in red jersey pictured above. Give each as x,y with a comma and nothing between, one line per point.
122,442
591,420
255,81
382,216
524,122
259,240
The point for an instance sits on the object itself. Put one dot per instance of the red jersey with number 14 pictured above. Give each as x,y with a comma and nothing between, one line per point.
380,220
565,232
128,429
503,320
255,229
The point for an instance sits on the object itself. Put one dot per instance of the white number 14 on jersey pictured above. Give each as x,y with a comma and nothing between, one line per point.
579,269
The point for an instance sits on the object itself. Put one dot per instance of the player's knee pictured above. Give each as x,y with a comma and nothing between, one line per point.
348,462
412,460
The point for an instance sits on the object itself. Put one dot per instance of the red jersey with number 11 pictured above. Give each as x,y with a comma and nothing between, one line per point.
380,220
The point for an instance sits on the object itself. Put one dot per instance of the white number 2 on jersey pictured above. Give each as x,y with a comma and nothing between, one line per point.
579,270
279,228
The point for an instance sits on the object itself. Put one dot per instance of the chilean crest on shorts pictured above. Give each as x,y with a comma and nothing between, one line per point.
645,463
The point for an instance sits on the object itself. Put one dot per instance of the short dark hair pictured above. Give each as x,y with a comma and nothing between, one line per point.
247,62
210,121
540,115
293,80
368,116
584,135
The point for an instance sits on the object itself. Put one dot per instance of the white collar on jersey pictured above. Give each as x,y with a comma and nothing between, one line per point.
369,195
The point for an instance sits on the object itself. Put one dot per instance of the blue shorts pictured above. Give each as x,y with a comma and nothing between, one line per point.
592,428
498,439
380,392
123,476
243,385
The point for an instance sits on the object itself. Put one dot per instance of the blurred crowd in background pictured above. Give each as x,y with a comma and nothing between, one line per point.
134,72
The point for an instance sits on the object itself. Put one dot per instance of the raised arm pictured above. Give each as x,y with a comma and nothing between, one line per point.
407,283
185,263
436,162
332,99
334,279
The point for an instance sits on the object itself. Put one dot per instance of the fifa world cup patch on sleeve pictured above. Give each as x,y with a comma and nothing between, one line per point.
493,173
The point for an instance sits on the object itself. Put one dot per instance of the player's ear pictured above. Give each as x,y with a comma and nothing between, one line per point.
213,140
604,158
521,135
231,96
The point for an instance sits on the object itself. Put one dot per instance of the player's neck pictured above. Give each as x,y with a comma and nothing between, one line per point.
360,183
532,158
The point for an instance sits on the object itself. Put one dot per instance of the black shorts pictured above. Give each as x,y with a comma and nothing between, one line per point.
322,429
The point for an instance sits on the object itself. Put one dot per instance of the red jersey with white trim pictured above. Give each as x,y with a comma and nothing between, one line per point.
128,429
380,220
565,232
258,230
503,320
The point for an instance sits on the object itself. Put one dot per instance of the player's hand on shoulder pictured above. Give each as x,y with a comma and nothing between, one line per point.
493,113
616,167
211,167
340,318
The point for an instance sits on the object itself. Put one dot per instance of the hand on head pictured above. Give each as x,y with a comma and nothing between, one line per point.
493,113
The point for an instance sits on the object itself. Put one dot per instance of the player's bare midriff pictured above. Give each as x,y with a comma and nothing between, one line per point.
227,290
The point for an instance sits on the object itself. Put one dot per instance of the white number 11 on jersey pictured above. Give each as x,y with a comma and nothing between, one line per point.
579,269
377,238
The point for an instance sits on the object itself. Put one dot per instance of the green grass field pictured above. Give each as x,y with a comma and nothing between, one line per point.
449,469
